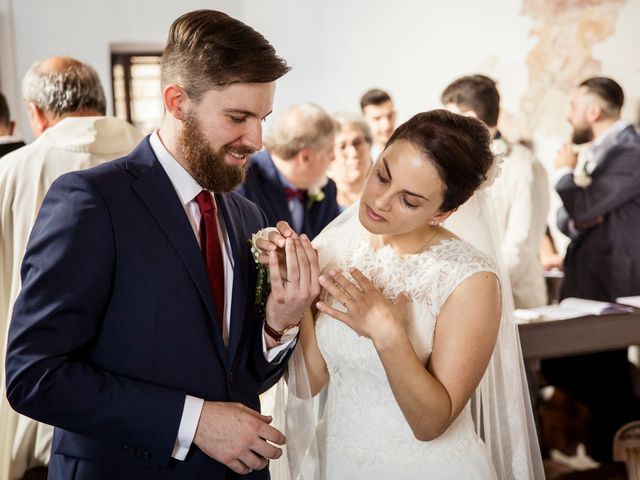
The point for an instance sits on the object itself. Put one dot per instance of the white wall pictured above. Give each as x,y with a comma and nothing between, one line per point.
340,48
84,29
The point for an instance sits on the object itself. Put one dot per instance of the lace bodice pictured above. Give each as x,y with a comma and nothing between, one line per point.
363,419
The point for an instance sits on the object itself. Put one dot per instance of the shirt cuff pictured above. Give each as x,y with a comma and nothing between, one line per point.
271,355
561,172
188,424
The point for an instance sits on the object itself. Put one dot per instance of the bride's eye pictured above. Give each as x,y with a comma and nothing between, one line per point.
380,178
410,206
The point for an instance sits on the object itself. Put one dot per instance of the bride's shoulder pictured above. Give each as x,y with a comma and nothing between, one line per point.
461,255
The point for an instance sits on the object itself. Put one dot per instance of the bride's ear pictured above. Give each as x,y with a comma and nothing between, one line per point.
440,217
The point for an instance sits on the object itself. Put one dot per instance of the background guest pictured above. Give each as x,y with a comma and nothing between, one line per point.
601,213
520,192
352,158
66,106
8,142
379,112
288,179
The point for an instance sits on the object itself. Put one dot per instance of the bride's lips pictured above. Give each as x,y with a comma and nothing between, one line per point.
373,215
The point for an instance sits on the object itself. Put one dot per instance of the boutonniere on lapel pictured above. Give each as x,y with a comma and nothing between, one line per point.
263,281
315,192
582,173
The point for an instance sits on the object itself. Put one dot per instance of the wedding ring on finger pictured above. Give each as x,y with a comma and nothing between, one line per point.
346,300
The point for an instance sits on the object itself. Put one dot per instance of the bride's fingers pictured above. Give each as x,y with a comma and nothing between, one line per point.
284,229
266,245
334,289
351,290
332,312
275,238
363,282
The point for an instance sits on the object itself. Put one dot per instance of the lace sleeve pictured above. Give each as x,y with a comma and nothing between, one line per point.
461,261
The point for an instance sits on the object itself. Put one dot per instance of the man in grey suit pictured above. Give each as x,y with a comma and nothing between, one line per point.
601,214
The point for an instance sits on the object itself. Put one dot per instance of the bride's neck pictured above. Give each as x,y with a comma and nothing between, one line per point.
411,242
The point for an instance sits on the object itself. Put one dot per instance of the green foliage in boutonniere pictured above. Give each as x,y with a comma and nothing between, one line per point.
263,281
315,192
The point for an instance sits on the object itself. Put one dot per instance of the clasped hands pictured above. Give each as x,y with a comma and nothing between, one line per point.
366,310
233,433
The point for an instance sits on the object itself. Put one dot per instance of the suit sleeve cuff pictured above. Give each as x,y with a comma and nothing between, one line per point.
561,172
274,354
188,424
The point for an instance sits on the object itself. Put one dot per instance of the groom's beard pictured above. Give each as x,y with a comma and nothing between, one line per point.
207,166
582,135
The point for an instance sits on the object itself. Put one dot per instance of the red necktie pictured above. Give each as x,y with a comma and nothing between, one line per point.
294,194
211,251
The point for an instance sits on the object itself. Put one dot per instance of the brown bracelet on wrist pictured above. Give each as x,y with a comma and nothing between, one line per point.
276,335
285,335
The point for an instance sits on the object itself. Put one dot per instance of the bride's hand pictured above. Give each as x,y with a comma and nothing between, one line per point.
272,239
368,312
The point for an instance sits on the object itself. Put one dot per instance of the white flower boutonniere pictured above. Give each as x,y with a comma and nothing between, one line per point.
263,282
315,192
581,175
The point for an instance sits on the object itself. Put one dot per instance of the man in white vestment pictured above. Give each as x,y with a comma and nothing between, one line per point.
520,192
66,106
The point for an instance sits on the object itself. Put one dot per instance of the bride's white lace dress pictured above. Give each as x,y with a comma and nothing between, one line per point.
366,435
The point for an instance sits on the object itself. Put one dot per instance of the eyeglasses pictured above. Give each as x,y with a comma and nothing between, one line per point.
356,143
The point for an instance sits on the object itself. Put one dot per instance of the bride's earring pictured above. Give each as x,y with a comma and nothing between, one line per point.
433,222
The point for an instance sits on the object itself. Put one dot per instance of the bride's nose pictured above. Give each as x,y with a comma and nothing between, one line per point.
383,202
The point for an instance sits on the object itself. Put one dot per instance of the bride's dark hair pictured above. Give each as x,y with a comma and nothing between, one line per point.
458,146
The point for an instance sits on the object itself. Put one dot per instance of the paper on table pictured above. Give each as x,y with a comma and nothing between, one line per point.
633,301
572,308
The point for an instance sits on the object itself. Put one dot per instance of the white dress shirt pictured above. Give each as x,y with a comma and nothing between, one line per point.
187,189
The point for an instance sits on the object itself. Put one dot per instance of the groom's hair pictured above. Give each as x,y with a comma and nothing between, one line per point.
458,147
207,49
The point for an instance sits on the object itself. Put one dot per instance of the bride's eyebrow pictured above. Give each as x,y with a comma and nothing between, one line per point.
386,167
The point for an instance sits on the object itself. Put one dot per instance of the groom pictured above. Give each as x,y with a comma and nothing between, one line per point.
136,333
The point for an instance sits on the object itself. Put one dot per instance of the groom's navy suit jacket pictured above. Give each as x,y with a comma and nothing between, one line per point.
264,187
115,323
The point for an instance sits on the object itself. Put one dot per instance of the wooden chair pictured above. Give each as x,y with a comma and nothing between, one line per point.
626,448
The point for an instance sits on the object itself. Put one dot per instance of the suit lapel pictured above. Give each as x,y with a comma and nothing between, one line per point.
233,218
156,191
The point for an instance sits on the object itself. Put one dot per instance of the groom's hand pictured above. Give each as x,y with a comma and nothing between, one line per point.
295,286
237,436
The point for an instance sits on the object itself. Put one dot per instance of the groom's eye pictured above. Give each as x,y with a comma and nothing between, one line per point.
236,119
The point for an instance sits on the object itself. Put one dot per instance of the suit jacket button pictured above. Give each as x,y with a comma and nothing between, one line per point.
126,448
230,377
146,455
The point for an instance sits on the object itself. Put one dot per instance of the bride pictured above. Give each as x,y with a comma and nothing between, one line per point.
413,344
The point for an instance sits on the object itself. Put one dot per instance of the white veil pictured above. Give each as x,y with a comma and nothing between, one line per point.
501,405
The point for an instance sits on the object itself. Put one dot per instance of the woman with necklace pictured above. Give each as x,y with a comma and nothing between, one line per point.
413,335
